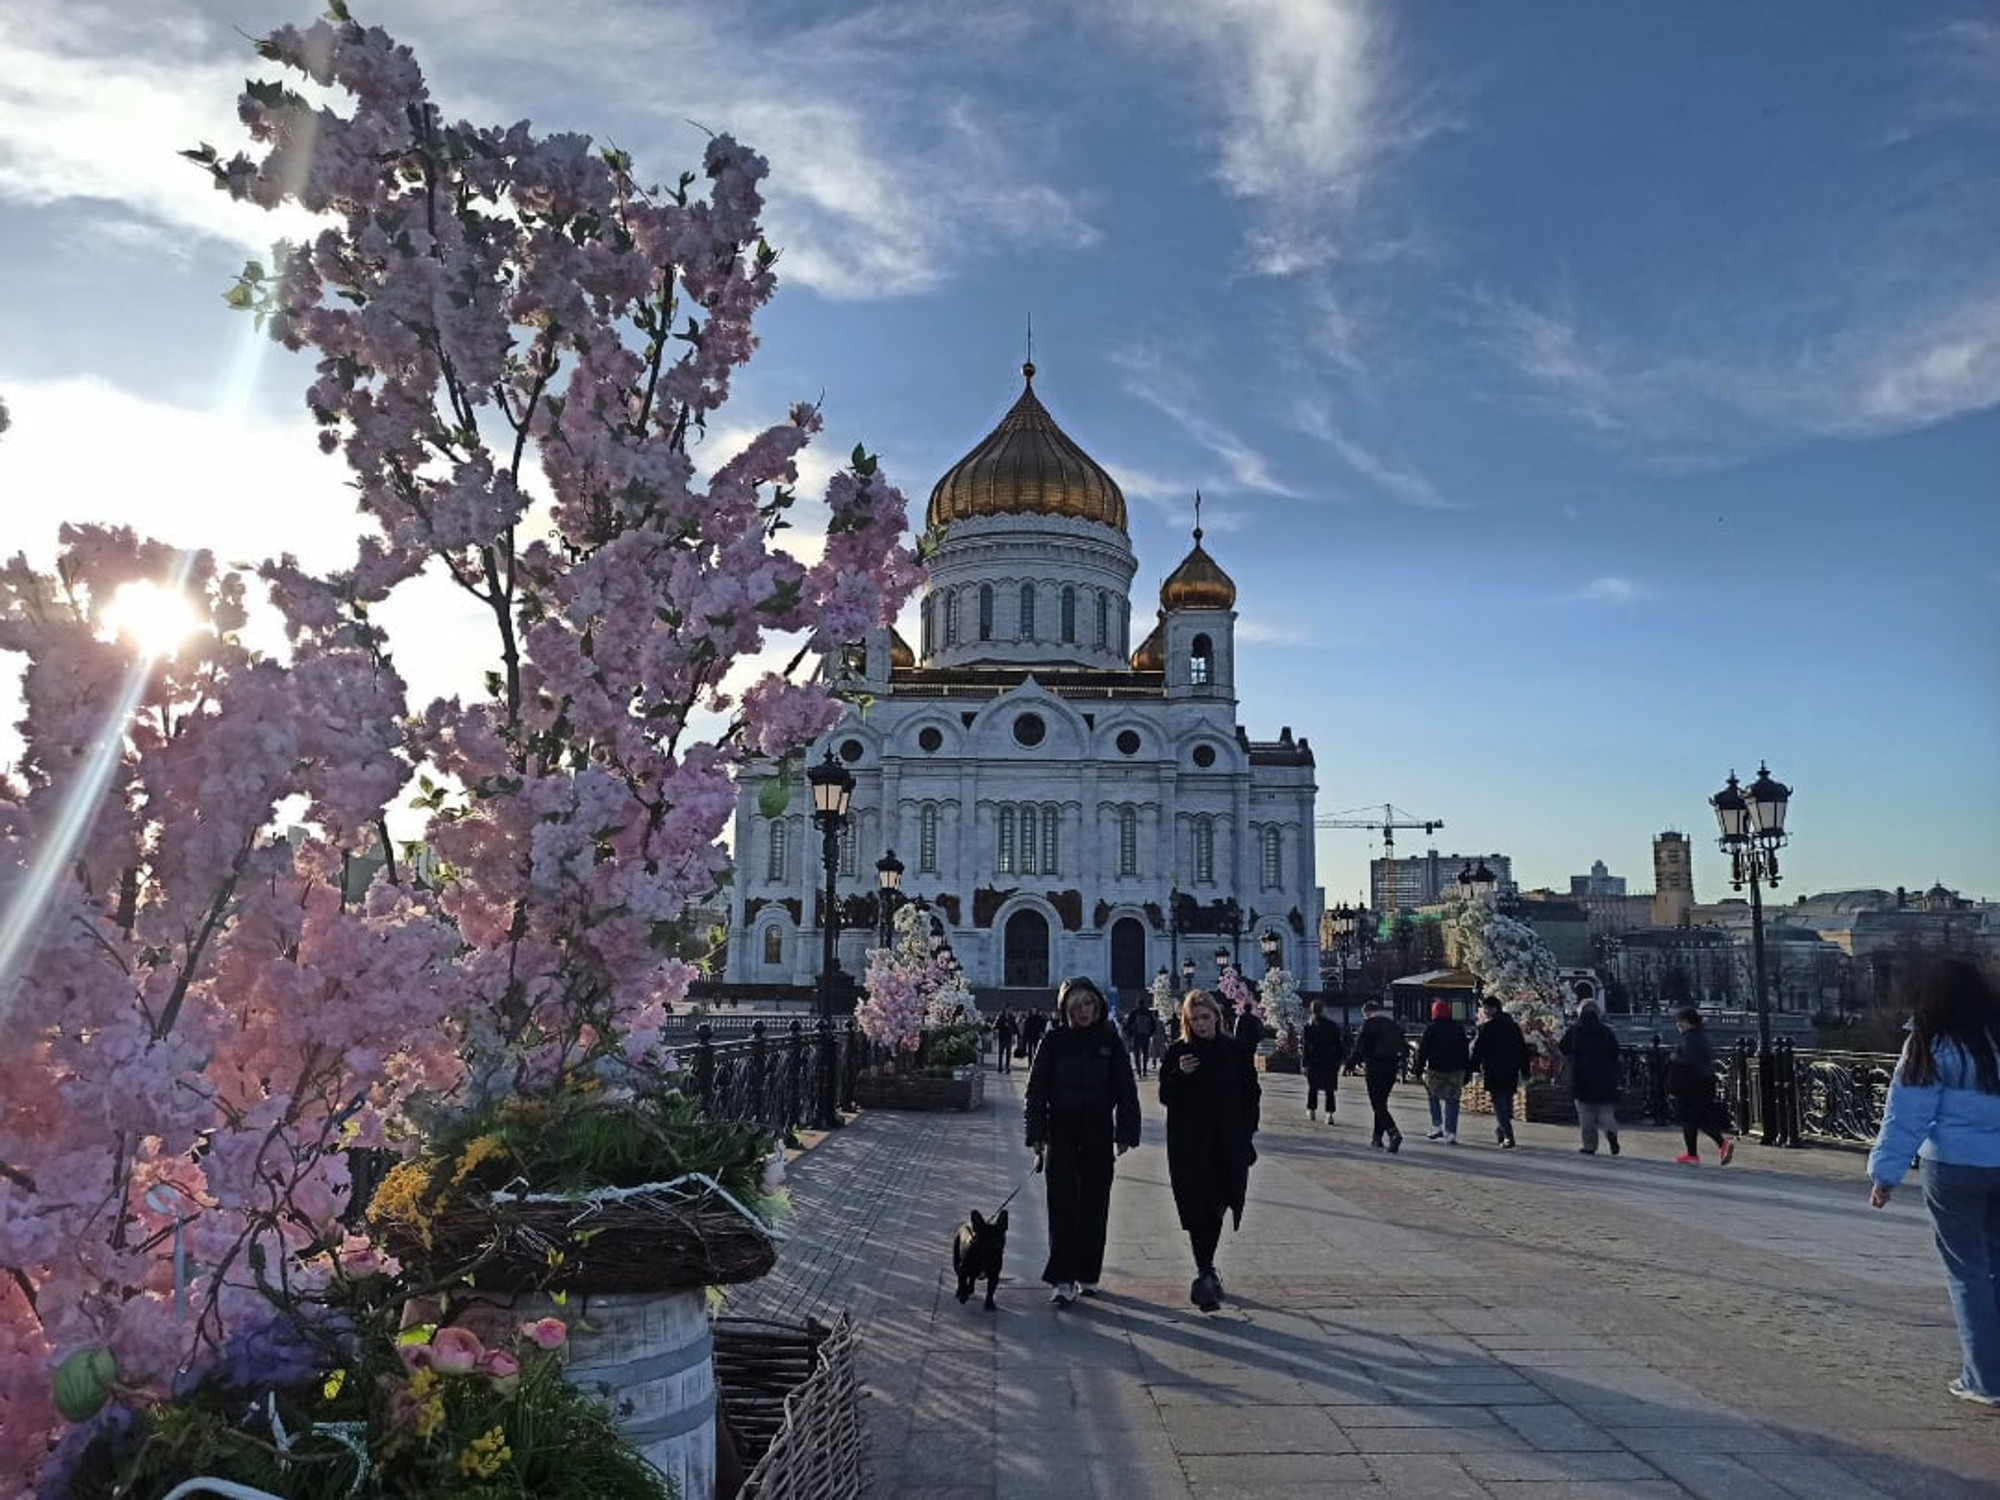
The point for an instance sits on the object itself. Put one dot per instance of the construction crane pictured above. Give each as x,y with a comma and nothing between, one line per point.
1392,818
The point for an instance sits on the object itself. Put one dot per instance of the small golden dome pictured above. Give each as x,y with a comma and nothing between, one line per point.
1152,653
900,654
1198,583
1027,466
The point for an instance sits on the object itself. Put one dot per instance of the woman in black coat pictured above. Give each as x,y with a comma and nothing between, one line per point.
1321,1049
1082,1112
1500,1056
1208,1083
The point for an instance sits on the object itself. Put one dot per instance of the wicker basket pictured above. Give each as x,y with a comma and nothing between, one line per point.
817,1451
669,1236
893,1088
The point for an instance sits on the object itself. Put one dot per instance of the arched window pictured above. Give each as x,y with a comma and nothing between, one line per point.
1027,631
1204,851
930,638
774,861
951,619
1006,859
1068,615
986,611
774,944
1051,863
1028,843
1128,841
1272,858
1201,662
1124,627
1103,619
847,841
927,837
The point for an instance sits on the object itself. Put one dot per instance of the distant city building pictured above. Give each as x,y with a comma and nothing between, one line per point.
1599,882
1673,880
1426,879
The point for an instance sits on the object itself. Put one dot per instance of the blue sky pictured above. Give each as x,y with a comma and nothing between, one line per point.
1586,399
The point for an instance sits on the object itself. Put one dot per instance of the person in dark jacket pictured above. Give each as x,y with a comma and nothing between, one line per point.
1320,1053
1006,1030
1443,1058
1082,1112
1691,1080
1592,1050
1033,1025
1208,1083
1500,1056
1378,1052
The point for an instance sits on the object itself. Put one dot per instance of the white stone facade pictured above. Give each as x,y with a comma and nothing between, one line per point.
1048,798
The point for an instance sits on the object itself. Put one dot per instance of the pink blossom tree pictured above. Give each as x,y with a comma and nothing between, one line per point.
517,346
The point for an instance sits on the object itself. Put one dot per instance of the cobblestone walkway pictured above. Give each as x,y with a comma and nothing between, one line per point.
1447,1322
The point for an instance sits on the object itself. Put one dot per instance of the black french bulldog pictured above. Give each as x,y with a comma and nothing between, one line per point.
978,1250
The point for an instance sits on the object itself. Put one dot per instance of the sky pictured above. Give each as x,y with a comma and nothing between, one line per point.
1587,400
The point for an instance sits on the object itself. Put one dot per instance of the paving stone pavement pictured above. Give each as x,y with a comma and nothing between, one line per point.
1446,1322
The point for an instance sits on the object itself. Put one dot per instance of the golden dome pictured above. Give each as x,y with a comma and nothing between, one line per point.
1151,655
900,654
1198,583
1027,466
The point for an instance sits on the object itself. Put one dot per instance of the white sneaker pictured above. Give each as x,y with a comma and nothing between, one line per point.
1313,1115
1451,1138
1435,1135
1064,1294
1088,1288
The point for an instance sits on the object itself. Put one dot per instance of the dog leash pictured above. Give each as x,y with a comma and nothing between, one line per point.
1022,1183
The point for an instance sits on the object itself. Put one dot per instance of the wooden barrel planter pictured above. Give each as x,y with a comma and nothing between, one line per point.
889,1087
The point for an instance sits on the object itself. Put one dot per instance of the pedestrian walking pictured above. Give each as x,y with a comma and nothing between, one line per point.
1500,1056
1595,1075
1378,1052
1033,1025
1944,1107
1208,1084
1082,1112
1443,1058
1008,1030
1592,1050
1691,1080
1139,1029
1320,1045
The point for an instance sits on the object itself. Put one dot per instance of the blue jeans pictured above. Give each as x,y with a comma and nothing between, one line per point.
1443,1089
1965,1215
1503,1113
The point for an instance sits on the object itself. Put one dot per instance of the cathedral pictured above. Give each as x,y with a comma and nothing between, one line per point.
1064,802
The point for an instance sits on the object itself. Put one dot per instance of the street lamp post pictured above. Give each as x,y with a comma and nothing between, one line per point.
889,883
1187,975
1270,944
832,786
1752,832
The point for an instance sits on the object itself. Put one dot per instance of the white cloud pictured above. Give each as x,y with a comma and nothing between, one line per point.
1168,389
1401,481
883,177
1610,590
1891,369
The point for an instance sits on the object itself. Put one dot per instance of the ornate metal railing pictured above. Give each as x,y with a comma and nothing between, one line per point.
776,1076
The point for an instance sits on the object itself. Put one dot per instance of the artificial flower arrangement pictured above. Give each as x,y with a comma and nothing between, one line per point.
587,1189
917,1003
331,1397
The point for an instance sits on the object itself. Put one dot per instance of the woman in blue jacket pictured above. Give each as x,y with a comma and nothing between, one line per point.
1944,1106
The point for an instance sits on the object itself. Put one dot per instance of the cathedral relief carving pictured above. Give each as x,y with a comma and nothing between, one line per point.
790,905
987,901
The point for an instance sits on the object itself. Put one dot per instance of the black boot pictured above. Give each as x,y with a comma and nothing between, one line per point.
1612,1137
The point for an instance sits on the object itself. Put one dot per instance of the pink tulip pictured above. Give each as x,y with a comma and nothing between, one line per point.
502,1368
546,1333
456,1351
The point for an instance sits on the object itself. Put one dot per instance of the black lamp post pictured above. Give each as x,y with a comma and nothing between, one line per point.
1752,832
1221,962
888,882
1187,975
832,785
1270,945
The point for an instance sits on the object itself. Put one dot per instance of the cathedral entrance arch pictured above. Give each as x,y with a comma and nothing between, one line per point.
1025,951
1128,955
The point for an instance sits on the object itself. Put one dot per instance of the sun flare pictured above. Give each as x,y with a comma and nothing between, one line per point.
152,616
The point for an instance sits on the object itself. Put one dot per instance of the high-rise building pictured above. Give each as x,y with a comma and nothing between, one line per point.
1599,882
1673,880
1428,878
